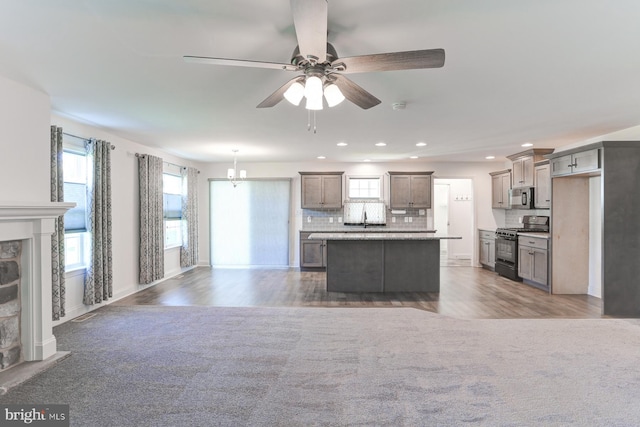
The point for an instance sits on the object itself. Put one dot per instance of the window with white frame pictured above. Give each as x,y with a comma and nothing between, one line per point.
172,207
76,237
364,187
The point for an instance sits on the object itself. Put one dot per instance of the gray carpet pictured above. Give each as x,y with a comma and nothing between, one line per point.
207,366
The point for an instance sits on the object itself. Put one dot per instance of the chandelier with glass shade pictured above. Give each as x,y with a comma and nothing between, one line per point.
232,174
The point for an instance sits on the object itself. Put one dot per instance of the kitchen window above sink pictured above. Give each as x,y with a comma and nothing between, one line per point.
365,213
364,187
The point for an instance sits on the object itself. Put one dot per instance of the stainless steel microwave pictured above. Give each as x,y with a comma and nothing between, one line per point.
521,198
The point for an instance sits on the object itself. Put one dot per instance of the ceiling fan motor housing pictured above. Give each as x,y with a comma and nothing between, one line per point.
300,61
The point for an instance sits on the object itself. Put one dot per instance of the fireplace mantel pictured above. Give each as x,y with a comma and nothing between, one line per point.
32,210
33,224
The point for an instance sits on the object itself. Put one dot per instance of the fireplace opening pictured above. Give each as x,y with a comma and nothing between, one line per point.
10,307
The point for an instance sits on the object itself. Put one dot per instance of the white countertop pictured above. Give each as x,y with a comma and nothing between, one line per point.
538,234
379,236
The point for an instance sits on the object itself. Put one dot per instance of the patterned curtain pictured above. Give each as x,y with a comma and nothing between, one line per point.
151,219
189,249
98,284
57,239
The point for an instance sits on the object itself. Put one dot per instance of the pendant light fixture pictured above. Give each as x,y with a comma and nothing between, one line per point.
232,174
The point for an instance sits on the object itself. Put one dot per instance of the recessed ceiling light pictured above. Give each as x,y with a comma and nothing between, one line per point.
421,144
490,157
366,160
380,144
527,144
341,144
321,157
413,157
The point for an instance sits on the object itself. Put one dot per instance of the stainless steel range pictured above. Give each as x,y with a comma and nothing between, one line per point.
507,244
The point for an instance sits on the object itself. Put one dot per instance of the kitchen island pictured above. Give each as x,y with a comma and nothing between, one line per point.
382,262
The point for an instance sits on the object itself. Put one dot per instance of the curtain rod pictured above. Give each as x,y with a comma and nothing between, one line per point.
113,147
168,163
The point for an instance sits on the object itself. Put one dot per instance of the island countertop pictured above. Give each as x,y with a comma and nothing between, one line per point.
379,236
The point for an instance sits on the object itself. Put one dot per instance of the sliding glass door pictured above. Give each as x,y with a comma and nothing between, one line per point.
250,223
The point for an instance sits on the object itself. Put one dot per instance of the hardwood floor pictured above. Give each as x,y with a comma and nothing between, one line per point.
465,292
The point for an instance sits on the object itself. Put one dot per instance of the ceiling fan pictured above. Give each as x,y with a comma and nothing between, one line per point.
322,70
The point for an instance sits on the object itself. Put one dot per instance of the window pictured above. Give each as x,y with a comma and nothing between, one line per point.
364,187
172,207
75,220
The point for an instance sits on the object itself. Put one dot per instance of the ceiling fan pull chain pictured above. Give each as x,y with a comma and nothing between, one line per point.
314,121
308,120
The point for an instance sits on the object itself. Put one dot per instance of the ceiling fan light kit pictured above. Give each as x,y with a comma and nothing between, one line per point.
333,95
313,93
295,93
319,62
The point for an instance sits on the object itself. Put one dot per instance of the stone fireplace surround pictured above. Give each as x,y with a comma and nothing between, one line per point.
32,223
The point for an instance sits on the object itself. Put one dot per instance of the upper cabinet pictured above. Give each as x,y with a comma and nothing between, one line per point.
321,190
522,171
584,161
410,190
500,186
542,182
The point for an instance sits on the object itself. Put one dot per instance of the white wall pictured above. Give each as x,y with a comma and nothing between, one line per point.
477,172
125,216
24,143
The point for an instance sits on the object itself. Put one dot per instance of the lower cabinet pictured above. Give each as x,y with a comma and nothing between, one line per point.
313,253
533,260
487,249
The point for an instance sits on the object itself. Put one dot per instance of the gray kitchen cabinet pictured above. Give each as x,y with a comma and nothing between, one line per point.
487,249
522,172
533,260
542,183
611,212
500,186
313,253
410,190
321,190
522,166
575,163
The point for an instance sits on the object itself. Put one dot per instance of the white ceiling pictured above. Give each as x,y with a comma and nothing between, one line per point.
549,72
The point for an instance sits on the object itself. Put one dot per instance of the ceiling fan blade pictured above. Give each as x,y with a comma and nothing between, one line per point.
409,60
355,93
239,63
310,20
278,95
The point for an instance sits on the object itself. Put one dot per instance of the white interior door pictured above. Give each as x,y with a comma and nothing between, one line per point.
453,199
441,213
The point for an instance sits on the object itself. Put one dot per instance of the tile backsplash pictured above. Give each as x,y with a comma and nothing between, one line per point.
512,217
321,220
